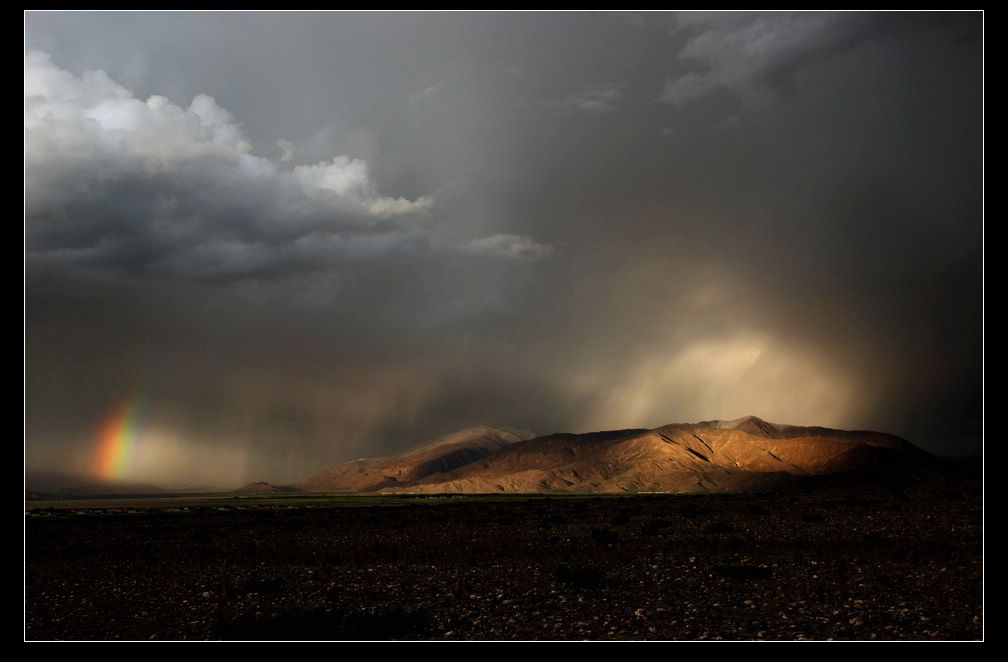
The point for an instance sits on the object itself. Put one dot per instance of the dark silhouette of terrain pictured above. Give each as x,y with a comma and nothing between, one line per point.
843,562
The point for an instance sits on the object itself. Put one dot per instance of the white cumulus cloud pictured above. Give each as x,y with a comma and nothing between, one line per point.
94,111
119,183
592,100
511,246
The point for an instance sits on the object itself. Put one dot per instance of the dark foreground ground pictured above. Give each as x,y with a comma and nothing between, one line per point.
865,563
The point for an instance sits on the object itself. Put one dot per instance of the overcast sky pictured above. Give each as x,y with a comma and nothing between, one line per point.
297,239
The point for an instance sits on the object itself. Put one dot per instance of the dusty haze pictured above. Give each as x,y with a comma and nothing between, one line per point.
299,239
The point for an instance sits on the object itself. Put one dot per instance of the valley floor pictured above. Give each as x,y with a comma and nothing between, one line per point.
845,564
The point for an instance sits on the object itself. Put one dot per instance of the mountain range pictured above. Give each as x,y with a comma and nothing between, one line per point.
711,456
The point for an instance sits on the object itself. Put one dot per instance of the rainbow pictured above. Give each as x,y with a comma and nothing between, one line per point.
116,439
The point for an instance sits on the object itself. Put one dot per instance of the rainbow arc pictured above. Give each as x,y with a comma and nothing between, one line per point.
116,439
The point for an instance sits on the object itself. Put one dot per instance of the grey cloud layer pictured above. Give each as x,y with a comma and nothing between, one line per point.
115,182
404,224
739,52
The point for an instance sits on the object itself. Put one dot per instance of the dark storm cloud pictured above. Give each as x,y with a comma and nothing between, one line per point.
753,55
385,227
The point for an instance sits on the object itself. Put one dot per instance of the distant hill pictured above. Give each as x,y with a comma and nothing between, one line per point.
446,454
711,456
62,485
259,487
